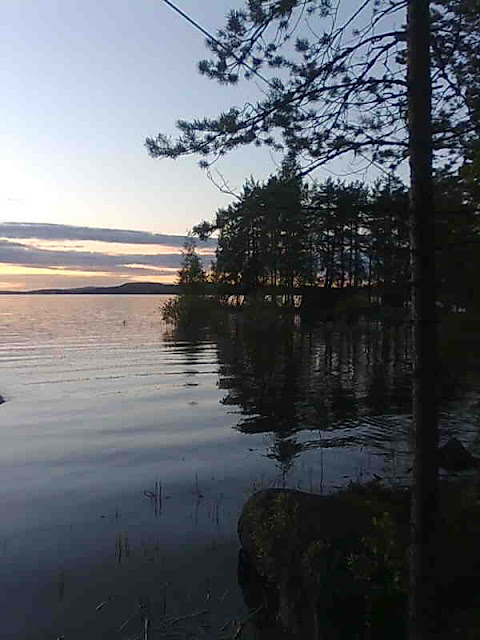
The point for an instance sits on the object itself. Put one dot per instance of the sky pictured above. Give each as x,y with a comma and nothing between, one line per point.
84,82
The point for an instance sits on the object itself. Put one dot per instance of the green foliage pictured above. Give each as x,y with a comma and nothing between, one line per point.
275,531
338,573
382,562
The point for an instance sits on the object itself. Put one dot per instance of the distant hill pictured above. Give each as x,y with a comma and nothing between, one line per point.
123,289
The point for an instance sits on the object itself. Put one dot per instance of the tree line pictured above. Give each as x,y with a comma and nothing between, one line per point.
288,233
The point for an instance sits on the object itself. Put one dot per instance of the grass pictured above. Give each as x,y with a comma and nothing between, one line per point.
156,497
147,624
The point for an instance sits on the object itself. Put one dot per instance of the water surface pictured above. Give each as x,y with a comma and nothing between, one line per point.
128,451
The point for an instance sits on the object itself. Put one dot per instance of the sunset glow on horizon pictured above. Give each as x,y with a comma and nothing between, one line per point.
83,86
36,256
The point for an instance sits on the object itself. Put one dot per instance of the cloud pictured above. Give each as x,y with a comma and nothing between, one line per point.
41,231
19,254
51,255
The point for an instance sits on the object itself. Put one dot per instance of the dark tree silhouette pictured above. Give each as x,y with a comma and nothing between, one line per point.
341,85
191,276
287,233
458,238
342,89
424,512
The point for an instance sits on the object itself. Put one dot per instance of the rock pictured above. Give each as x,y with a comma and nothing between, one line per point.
2,399
295,557
453,456
276,524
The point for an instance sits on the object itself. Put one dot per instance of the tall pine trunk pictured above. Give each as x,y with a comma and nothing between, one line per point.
424,514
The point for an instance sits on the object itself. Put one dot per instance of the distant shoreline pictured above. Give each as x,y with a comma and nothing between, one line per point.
122,289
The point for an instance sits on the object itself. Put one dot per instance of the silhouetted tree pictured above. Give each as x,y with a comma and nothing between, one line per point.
341,85
458,237
343,90
191,276
388,240
262,236
337,218
424,509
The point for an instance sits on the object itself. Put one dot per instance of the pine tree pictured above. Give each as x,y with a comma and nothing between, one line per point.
343,90
191,277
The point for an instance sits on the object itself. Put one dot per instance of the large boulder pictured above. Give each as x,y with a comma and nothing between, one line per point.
296,561
453,456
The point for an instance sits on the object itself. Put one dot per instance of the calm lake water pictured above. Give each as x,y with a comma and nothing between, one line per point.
127,451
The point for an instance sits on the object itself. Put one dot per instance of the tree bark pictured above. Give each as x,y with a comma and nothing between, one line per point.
424,514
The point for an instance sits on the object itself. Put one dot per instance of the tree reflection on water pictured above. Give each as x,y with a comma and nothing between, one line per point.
323,378
315,386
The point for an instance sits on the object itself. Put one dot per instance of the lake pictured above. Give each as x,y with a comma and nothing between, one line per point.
128,450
